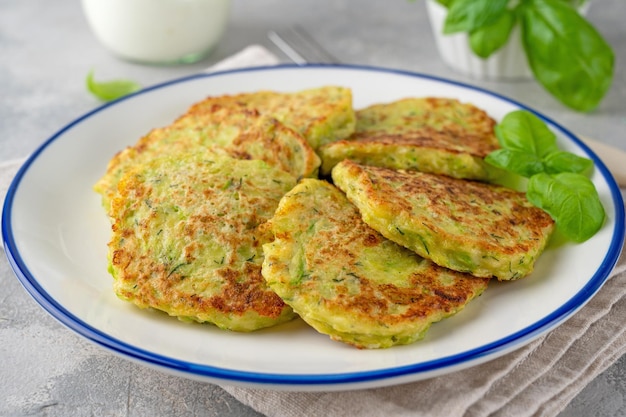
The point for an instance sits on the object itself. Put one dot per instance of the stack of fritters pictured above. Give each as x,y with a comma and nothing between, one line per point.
348,281
210,223
187,203
331,259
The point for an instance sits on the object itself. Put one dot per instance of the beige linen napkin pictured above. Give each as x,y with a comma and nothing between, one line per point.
539,379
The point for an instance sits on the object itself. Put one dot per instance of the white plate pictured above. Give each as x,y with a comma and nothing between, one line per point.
55,234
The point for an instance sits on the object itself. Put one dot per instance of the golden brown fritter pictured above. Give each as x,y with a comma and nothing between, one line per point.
436,135
187,239
322,115
347,280
469,226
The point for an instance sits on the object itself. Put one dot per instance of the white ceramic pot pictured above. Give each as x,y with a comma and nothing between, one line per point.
509,62
158,31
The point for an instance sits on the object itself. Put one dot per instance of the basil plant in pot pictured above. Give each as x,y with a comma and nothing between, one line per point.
549,40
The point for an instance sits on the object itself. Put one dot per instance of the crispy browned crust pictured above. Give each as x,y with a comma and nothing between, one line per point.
470,202
496,229
427,137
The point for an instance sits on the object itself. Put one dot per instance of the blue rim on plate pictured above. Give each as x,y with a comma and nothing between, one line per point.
457,361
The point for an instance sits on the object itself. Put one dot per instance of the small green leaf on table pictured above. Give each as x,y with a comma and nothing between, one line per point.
110,90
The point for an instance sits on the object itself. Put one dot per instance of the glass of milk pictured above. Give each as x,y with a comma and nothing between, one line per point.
158,31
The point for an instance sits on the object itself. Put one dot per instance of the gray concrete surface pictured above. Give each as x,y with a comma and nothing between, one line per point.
46,50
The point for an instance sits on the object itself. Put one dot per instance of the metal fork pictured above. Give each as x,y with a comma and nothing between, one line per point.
300,47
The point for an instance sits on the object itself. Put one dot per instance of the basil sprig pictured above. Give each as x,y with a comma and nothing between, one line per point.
565,52
557,179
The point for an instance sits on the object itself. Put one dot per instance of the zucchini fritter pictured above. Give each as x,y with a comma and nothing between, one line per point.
322,115
348,281
235,131
187,239
469,226
436,135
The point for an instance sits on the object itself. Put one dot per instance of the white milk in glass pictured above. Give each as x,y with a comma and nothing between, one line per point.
158,31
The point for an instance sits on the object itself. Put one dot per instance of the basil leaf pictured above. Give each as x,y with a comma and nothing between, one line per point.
518,162
576,3
445,3
556,183
468,15
572,201
522,131
487,39
566,54
110,90
562,161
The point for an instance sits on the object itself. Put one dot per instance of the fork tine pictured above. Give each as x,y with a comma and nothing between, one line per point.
286,47
323,54
300,47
